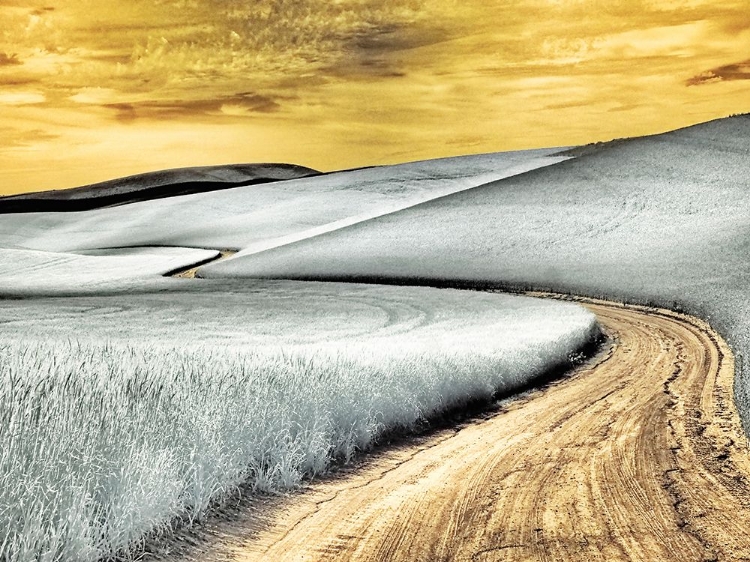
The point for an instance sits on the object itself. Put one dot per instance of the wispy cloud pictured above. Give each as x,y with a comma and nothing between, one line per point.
14,137
178,58
21,98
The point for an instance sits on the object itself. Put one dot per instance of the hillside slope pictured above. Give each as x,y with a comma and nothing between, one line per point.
662,219
151,185
265,214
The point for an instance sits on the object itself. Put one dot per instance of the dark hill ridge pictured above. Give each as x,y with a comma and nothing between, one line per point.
152,185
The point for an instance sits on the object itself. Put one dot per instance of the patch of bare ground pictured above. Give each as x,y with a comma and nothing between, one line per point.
191,271
637,456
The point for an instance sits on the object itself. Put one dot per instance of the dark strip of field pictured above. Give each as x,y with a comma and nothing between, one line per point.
153,185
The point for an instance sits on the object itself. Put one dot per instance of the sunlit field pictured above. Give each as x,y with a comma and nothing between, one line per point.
103,443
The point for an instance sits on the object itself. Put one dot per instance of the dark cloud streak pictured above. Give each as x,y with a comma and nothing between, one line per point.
42,11
243,103
9,60
726,73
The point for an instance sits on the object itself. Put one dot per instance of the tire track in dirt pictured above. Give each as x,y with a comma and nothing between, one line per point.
638,456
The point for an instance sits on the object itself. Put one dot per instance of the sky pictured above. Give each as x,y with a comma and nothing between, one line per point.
93,90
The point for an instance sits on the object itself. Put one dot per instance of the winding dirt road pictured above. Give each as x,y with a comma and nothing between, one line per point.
639,455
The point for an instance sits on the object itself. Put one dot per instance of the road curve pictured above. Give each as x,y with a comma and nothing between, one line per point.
638,455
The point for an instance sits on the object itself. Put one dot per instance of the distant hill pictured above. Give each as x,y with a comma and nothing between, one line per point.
152,185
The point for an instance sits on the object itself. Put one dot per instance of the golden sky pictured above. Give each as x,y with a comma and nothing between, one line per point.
91,89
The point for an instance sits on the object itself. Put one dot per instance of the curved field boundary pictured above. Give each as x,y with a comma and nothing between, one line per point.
639,455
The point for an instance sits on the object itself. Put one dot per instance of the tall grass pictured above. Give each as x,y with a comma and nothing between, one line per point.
101,443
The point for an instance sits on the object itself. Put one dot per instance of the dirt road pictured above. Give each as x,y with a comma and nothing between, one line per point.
191,271
638,456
